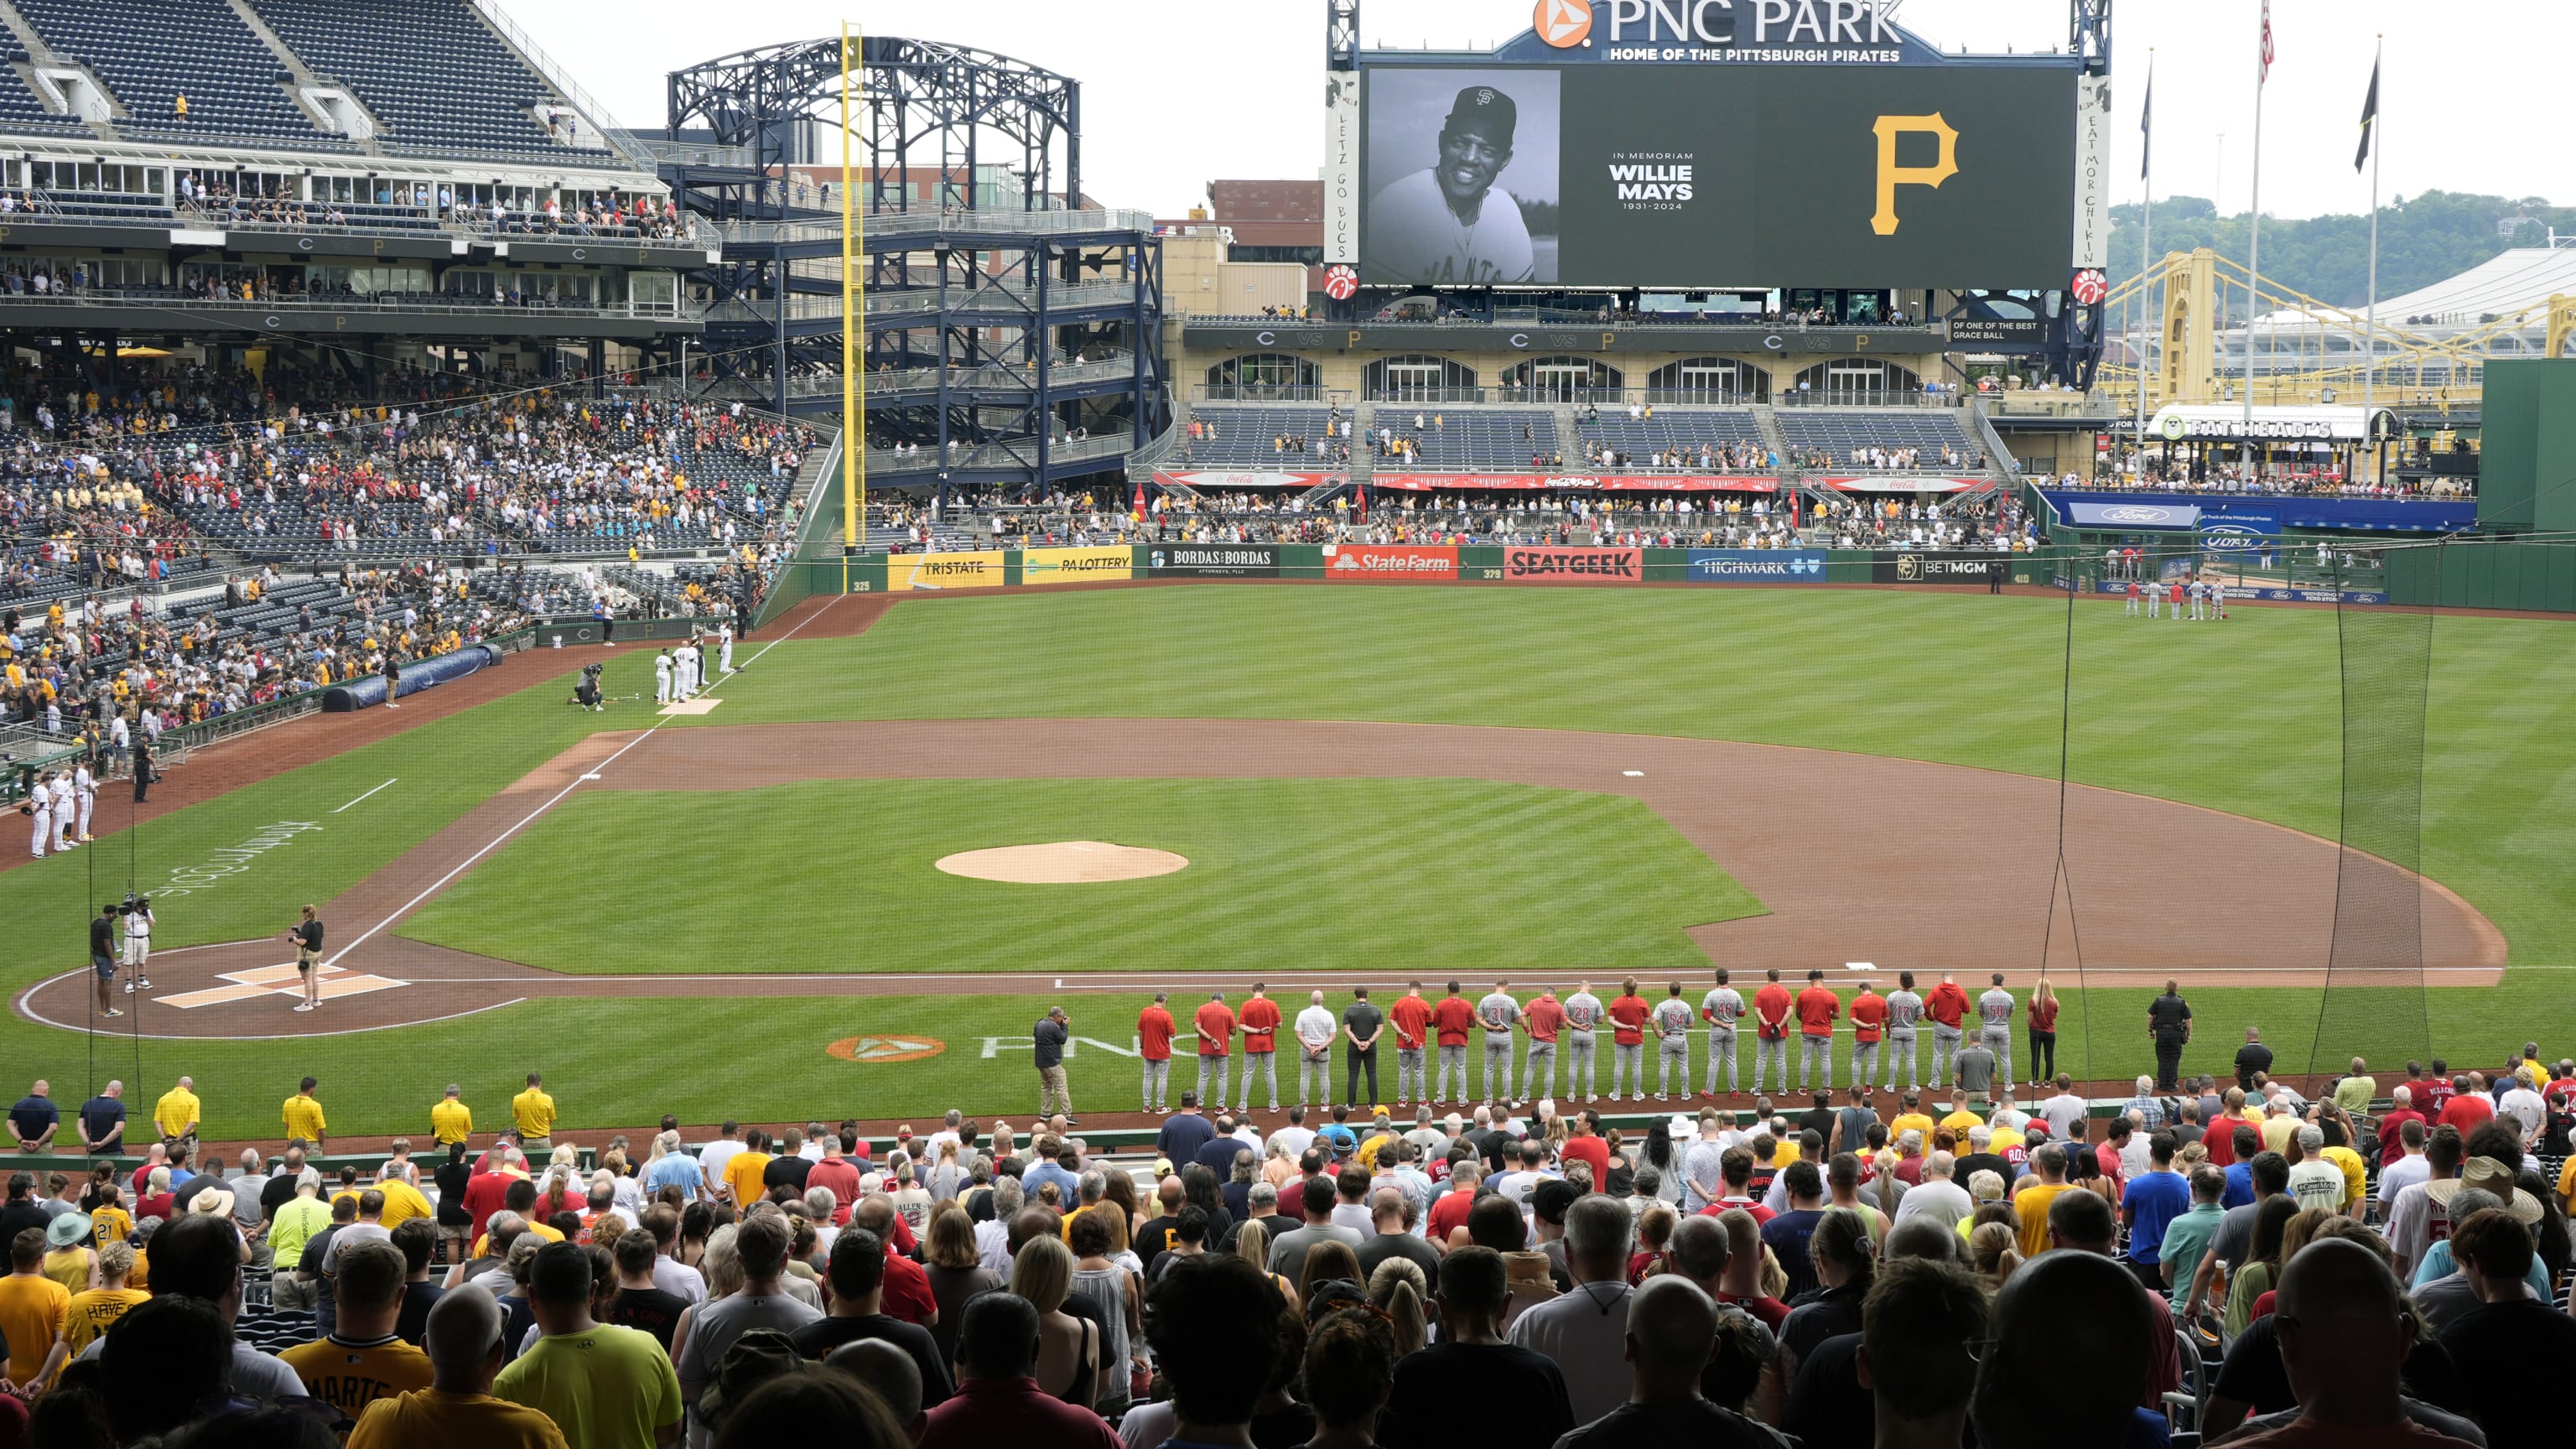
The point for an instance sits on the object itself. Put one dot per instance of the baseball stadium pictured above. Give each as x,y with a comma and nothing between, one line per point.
802,613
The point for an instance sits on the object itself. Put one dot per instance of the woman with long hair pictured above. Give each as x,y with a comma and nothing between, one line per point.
1399,1290
1325,1262
2042,1013
1658,1154
1994,1251
1069,1350
1252,1245
955,1267
2262,1266
1119,1297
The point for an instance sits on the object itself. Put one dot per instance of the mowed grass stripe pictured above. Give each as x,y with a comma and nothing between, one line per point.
2244,716
1441,876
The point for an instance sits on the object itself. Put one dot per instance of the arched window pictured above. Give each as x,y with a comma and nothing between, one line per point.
1562,379
1708,380
1859,380
1417,378
1263,375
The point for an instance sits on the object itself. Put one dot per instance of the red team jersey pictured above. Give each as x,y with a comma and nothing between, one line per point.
1948,1003
1218,1022
1817,1009
1454,1017
1628,1017
1410,1014
1260,1023
1154,1030
1544,1018
1771,1004
1869,1015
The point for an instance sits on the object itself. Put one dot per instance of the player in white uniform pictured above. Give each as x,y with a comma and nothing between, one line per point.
66,804
138,943
40,808
1582,1014
2199,597
662,669
724,649
1449,222
2155,599
85,794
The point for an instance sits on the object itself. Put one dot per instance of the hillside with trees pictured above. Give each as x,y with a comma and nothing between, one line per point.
2422,239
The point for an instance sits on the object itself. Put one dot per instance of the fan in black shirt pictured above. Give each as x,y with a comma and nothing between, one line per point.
1472,1365
856,1280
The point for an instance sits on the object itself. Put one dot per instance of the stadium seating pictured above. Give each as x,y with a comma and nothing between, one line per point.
1474,440
1840,434
20,111
450,84
1247,437
1686,428
149,54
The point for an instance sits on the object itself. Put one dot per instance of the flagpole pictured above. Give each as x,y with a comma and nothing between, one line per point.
2146,258
2254,250
2370,352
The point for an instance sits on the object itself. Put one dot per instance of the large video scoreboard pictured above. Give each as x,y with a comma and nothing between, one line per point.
1712,143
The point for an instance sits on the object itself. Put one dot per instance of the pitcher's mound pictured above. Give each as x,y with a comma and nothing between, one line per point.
1062,862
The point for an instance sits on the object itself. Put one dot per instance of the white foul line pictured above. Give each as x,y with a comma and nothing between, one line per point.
362,797
441,883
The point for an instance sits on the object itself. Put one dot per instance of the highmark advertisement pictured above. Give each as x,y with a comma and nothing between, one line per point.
1757,565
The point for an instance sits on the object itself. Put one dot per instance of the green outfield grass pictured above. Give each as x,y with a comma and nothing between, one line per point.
1444,875
2242,717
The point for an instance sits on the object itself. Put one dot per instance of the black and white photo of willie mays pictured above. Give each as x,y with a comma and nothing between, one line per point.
1464,166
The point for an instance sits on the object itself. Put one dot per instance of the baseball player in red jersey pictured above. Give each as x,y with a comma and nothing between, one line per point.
1154,1031
1260,1023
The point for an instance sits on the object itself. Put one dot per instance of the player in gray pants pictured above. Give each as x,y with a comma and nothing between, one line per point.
1498,1011
1582,1014
1995,1024
1904,1011
1158,1077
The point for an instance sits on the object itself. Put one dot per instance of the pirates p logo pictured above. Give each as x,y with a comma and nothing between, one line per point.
1891,175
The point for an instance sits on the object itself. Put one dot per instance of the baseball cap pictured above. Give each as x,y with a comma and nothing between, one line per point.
1487,112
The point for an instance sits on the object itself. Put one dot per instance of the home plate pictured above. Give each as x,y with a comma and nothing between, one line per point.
692,706
280,981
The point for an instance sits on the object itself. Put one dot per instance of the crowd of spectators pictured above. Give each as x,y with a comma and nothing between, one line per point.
2245,1264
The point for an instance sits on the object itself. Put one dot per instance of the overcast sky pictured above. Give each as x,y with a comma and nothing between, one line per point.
1177,93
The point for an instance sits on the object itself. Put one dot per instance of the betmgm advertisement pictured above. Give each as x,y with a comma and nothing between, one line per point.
1645,165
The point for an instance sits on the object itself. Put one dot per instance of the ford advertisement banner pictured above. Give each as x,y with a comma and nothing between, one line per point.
2279,510
1757,565
2133,515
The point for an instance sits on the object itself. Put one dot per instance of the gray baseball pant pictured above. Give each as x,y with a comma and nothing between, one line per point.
1314,1079
1721,1048
1267,1064
1410,1083
1211,1069
1453,1056
1864,1062
1538,1072
1900,1044
1578,1065
1627,1064
1158,1080
1815,1053
1498,1066
1770,1052
1998,1039
1945,1051
1670,1052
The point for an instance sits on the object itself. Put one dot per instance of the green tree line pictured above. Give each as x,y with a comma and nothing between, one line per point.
2422,240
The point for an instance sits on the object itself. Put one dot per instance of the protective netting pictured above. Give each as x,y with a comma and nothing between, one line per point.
2375,979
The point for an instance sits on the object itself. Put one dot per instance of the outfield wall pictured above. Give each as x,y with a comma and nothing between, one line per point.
1353,563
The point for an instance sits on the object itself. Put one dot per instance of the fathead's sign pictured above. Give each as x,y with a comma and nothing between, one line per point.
1575,565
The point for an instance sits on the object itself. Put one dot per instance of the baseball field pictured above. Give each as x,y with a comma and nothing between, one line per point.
739,913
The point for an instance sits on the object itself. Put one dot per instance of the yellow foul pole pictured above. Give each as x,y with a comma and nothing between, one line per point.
854,449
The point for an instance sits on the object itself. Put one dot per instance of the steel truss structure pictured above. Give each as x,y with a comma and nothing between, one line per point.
1006,317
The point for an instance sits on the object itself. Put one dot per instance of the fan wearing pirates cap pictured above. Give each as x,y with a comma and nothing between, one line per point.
1444,223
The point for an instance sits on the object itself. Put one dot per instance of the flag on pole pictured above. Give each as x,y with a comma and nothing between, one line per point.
2267,43
2369,118
2147,122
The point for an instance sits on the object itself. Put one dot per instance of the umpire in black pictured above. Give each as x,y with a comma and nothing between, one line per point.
2169,1022
142,770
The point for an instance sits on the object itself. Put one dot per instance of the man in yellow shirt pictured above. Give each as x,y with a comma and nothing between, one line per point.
362,1361
1912,1118
465,1353
403,1201
1960,1118
178,1113
743,1171
450,1120
32,1309
2030,1205
534,1113
303,1116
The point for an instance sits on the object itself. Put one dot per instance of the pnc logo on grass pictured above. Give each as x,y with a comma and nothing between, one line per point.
1563,24
886,1048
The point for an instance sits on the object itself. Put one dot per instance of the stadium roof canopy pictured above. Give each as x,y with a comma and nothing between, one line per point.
2508,282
